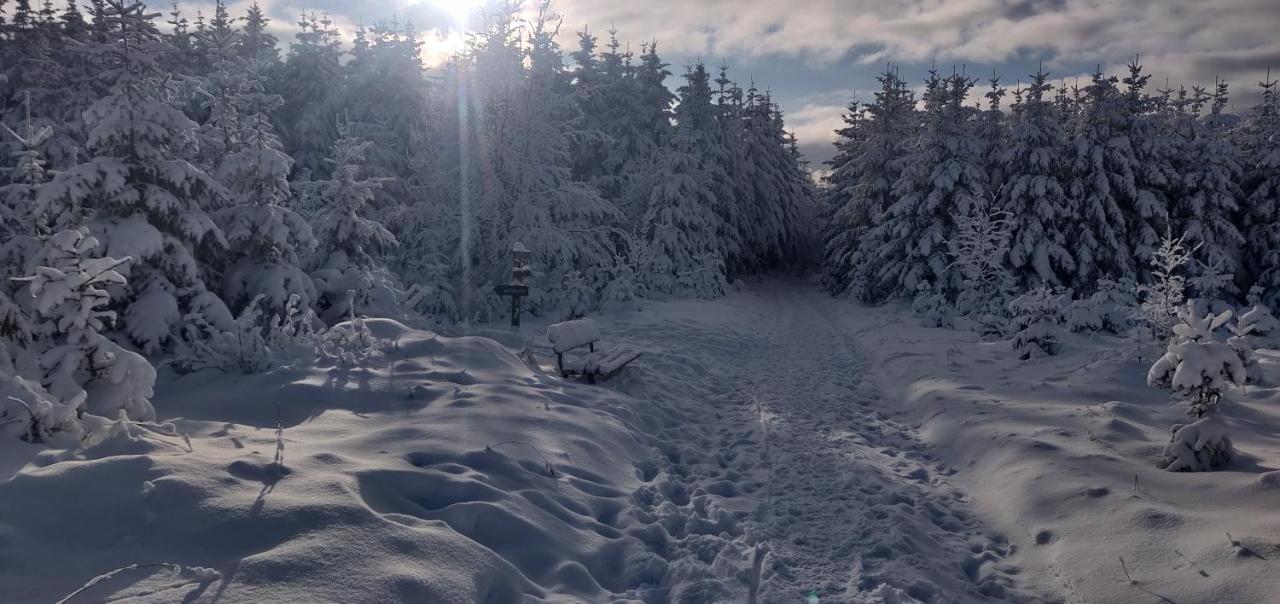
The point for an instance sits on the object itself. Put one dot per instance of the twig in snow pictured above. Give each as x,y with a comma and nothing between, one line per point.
279,459
551,471
1126,571
202,575
1242,549
33,429
1191,563
159,430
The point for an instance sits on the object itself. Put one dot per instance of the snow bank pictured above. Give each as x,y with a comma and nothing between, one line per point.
1060,453
393,487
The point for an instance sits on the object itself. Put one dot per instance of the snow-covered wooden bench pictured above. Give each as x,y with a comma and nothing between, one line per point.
582,333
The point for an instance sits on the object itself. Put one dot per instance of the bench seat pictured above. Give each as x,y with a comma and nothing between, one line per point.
581,333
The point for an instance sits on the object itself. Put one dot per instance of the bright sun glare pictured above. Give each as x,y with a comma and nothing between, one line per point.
447,38
460,10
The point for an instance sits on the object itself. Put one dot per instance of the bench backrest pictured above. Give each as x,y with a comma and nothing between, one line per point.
572,334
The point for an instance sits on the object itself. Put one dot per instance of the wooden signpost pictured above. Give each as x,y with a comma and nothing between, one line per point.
518,288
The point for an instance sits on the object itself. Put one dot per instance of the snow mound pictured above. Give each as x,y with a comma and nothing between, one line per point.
445,470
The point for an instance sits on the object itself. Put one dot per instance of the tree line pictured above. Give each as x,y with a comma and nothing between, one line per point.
233,175
1080,185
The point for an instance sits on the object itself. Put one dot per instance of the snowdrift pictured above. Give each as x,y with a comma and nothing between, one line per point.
449,470
1060,454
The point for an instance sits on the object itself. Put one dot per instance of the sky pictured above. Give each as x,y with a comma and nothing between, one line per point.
816,56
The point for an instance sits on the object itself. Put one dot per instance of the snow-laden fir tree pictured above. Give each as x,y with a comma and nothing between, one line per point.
1241,341
19,223
680,253
1260,150
859,188
516,183
135,188
942,176
566,224
257,44
1033,196
698,117
39,62
1258,319
347,272
1036,315
267,240
311,80
385,101
1101,185
1155,175
774,233
993,130
1206,204
591,150
652,118
79,366
1198,368
1112,308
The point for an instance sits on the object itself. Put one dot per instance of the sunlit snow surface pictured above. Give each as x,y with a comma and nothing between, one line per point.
876,460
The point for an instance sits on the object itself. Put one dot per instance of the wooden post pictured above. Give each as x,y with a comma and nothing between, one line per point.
518,288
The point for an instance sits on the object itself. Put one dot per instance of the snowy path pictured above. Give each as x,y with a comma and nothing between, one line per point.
851,504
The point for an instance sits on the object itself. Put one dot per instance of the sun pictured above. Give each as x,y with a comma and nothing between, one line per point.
461,11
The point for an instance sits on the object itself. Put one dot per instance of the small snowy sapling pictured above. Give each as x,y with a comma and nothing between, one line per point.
1198,368
1163,298
1035,319
82,365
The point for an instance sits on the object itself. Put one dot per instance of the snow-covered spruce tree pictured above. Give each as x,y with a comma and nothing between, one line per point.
1260,150
1241,341
347,272
591,150
993,130
79,366
29,412
1199,369
679,234
1155,175
385,101
1033,196
1101,185
1112,307
310,81
20,225
570,226
741,200
782,189
37,62
257,44
941,177
135,189
697,117
267,240
1036,315
652,118
1206,205
516,175
1258,319
630,144
859,187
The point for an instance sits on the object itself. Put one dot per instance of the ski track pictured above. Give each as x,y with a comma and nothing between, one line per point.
781,426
